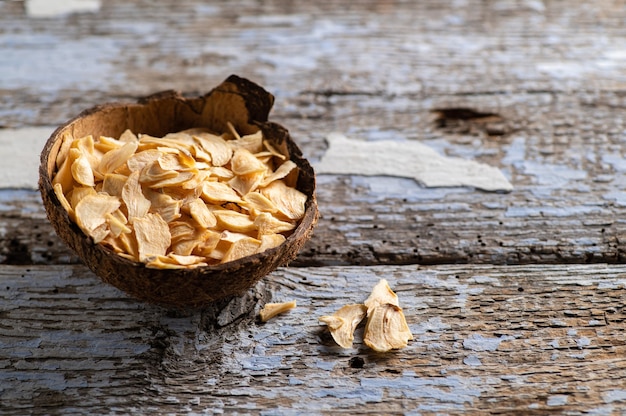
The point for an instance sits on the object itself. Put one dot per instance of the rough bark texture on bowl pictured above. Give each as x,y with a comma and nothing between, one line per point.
237,100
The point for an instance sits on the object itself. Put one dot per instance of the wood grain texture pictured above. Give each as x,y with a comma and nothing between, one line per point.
532,88
531,322
487,339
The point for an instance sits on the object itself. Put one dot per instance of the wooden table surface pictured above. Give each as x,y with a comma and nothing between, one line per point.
515,299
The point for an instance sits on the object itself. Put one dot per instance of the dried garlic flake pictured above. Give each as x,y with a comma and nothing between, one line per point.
343,323
381,294
270,310
386,327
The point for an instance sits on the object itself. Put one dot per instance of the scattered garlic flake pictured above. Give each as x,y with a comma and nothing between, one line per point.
270,310
343,323
381,294
386,327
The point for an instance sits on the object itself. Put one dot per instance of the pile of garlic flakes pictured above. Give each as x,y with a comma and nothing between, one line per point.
192,198
386,328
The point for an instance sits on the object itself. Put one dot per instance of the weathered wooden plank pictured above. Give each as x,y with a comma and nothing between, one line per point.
487,339
393,221
534,88
399,48
565,207
547,110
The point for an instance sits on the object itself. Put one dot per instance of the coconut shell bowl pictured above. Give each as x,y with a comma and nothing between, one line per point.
236,105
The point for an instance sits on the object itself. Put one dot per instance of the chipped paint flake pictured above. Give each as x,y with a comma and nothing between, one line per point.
477,342
583,342
557,400
55,8
435,325
451,390
614,396
407,159
472,361
20,147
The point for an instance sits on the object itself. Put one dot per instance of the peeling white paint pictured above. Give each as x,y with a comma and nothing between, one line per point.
614,396
557,400
296,20
451,389
29,201
382,187
618,197
477,342
580,356
472,361
295,381
364,395
612,284
615,159
535,5
553,175
583,342
325,365
485,280
548,211
81,64
407,159
262,363
450,283
563,69
515,152
55,8
19,151
431,325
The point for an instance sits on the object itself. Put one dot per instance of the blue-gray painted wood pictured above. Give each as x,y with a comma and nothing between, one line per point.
506,339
